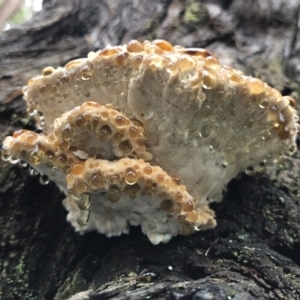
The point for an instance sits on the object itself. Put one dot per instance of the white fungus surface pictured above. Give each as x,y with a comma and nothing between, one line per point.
149,134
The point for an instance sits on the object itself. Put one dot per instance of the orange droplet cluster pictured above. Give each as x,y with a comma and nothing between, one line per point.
126,179
39,151
88,126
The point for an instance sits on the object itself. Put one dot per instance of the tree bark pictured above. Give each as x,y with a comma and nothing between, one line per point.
254,251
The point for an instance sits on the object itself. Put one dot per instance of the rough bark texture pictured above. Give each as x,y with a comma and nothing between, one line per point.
254,251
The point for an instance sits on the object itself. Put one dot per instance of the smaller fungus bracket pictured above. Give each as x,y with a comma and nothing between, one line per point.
88,127
145,194
41,152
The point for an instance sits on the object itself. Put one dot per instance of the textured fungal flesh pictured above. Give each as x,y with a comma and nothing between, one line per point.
160,202
149,134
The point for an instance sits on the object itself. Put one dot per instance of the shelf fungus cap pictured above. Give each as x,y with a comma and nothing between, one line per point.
149,134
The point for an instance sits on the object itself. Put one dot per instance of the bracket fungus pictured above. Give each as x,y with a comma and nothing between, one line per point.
149,134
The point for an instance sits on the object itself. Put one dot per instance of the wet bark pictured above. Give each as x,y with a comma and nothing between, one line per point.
254,251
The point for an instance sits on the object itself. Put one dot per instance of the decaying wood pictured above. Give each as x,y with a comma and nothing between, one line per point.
254,251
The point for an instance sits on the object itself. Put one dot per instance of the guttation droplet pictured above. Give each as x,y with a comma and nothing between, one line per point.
263,103
167,205
152,224
125,147
214,143
147,113
230,159
44,180
83,201
206,110
292,149
86,72
192,127
6,156
205,131
36,156
22,164
54,171
14,160
131,176
209,79
104,133
201,96
114,194
249,171
67,132
33,172
83,217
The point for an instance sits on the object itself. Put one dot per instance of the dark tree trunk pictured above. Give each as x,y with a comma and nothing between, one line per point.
254,253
